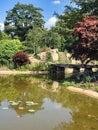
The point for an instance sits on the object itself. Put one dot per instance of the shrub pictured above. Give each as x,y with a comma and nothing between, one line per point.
7,49
20,58
69,83
34,67
49,57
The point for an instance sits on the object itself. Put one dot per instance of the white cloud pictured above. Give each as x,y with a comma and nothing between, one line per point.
1,26
56,1
51,22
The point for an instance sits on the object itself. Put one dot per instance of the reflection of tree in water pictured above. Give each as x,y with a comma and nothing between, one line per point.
29,90
6,81
22,88
7,90
84,111
26,88
50,85
22,85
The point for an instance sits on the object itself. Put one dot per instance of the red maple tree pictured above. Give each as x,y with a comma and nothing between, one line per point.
85,48
20,58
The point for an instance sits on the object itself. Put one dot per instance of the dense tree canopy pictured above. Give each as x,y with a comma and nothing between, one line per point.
22,18
38,38
89,7
33,39
71,15
52,39
66,23
7,49
85,48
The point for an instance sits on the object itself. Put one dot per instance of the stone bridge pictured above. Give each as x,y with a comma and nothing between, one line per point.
76,67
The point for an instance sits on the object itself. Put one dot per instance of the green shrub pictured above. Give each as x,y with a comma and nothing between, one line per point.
7,49
69,83
49,57
68,61
34,67
3,36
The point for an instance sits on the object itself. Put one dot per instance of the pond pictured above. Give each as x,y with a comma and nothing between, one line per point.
39,103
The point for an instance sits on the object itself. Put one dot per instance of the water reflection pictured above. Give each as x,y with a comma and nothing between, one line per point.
38,103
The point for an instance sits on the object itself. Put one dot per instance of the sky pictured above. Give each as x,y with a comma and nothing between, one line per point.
48,6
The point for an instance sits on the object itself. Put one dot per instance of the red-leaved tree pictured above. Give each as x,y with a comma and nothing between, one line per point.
20,58
85,48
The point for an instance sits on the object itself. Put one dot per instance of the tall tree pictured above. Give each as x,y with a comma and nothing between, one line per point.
52,39
89,7
33,39
71,15
85,48
65,24
22,18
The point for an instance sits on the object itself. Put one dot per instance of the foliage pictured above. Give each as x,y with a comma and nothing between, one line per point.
51,39
7,49
71,15
22,18
33,39
49,57
20,58
87,6
38,38
3,36
87,85
34,67
68,83
65,24
86,45
68,61
61,57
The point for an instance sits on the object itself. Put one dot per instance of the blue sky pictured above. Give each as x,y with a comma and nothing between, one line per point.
48,6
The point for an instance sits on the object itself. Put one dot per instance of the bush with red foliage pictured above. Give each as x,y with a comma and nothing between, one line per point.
20,58
85,48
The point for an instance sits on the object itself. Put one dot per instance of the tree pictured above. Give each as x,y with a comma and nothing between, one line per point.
66,23
71,15
33,39
89,7
38,38
22,18
85,48
20,58
52,39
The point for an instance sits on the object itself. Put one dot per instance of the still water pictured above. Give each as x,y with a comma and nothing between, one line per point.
39,103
